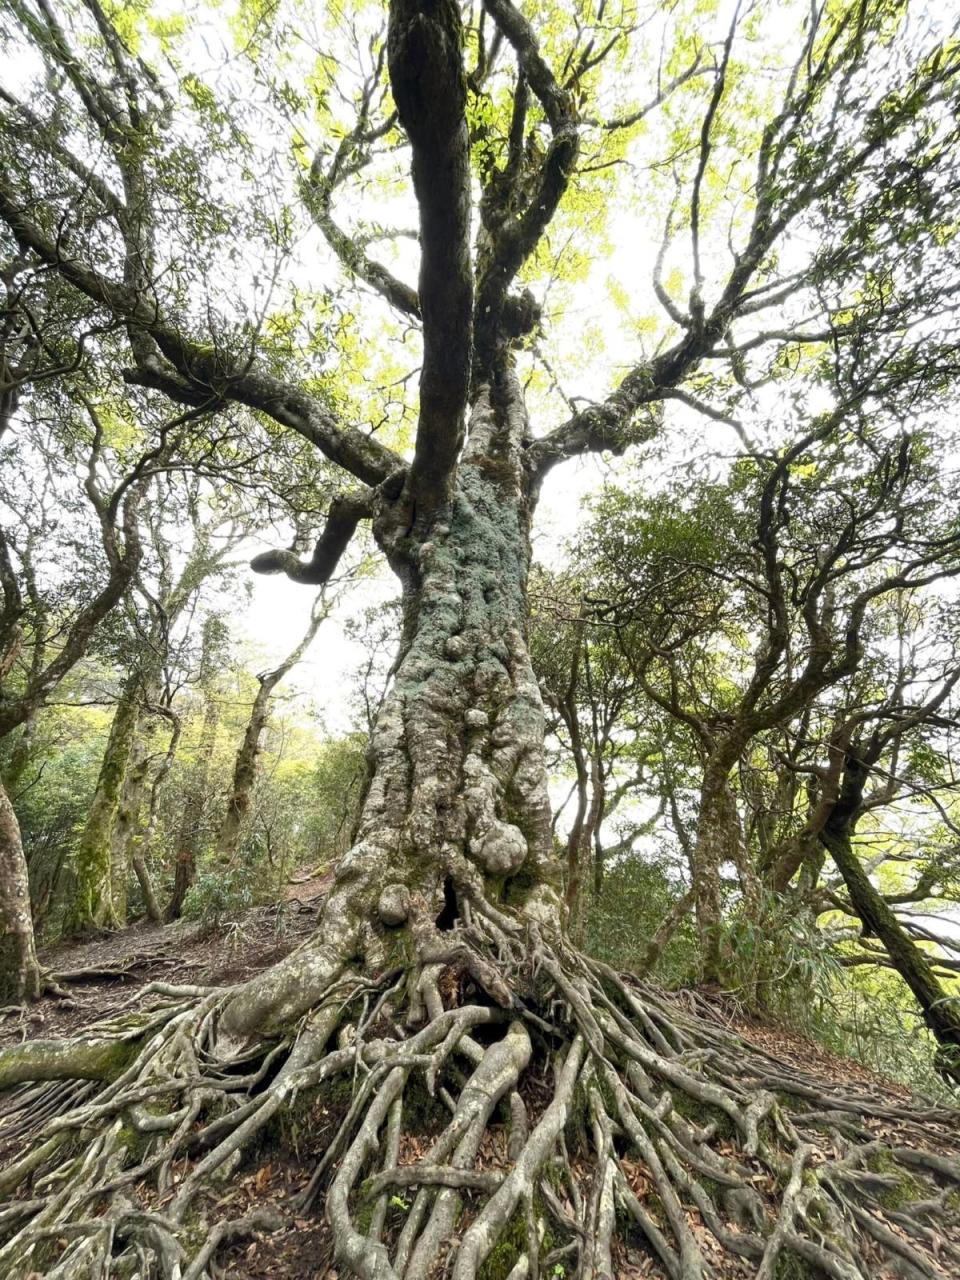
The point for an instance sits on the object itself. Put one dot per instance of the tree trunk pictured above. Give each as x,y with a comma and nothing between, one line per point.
125,827
19,969
20,756
244,776
191,822
457,815
93,901
940,1011
151,902
584,874
718,834
142,840
245,766
665,931
439,964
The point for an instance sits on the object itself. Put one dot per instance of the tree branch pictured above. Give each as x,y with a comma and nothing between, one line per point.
426,74
199,375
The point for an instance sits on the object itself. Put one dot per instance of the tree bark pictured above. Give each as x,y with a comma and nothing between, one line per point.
718,835
19,969
940,1012
583,865
665,931
142,839
195,804
20,755
245,765
93,905
125,827
457,815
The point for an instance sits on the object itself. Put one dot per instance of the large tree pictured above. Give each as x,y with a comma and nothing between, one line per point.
440,961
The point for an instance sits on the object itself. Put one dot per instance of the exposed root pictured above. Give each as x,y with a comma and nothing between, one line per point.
622,1118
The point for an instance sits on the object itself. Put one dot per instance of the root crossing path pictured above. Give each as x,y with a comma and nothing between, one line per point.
506,1107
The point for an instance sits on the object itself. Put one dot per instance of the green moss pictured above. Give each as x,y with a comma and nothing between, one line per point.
513,1243
907,1189
703,1114
364,1217
135,1142
790,1266
309,1113
397,948
517,889
422,1114
654,1206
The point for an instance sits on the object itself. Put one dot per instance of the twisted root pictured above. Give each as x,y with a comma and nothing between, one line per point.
627,1118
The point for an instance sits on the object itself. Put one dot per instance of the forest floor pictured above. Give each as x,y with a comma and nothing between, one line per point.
102,975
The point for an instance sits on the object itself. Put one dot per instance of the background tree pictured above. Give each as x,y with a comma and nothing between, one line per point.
245,765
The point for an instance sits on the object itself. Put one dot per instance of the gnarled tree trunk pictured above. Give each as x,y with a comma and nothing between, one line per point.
19,969
439,963
457,811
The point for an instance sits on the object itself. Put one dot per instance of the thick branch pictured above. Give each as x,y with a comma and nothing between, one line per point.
201,375
426,76
346,512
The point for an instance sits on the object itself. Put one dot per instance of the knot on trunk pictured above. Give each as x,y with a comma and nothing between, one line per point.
393,906
502,850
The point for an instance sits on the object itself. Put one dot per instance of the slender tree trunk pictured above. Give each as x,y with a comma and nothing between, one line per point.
19,969
583,866
718,834
245,766
151,903
93,904
665,931
125,827
142,841
244,774
940,1012
191,822
20,756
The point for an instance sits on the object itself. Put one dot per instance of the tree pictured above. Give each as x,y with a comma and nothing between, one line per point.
737,615
452,884
59,641
245,765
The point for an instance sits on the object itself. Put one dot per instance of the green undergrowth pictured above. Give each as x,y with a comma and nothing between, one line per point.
790,1266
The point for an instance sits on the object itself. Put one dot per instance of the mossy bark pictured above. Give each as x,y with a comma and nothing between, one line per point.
20,756
940,1012
93,898
125,827
190,835
244,774
718,835
457,807
245,765
19,968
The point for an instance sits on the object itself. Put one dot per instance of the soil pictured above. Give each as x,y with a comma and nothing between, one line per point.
102,974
